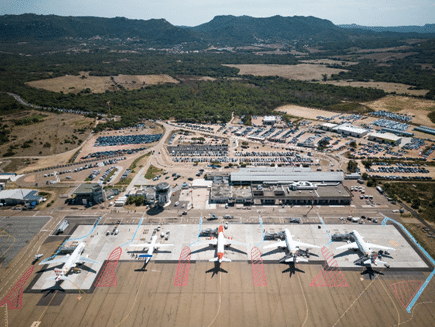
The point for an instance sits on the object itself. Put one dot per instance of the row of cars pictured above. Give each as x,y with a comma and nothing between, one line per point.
102,154
127,139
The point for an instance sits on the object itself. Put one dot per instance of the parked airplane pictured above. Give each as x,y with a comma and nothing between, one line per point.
220,242
293,248
70,261
369,255
151,247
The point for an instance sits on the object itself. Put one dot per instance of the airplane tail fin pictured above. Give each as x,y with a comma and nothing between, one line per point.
220,260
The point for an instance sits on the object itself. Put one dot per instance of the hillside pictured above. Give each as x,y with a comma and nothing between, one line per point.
222,31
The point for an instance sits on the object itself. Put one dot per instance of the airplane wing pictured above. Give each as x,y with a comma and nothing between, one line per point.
305,245
87,260
162,245
379,247
232,242
143,245
55,261
210,242
275,245
349,246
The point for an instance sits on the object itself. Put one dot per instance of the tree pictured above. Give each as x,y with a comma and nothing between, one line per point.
324,77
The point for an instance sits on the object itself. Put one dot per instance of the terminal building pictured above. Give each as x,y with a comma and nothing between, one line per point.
19,196
163,193
281,186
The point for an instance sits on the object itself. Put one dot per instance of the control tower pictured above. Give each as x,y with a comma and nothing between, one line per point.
163,193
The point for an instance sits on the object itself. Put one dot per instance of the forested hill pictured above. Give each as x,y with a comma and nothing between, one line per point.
221,31
234,30
426,29
31,26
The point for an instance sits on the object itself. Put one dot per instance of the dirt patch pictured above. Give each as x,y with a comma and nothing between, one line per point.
99,84
411,106
401,48
387,56
304,112
30,179
387,87
56,133
329,62
304,72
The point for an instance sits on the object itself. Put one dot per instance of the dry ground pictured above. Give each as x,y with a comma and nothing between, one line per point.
387,87
418,107
304,72
229,298
330,62
54,129
305,112
99,84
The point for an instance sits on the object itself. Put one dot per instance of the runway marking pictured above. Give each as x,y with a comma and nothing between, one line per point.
14,299
258,275
43,312
395,307
107,277
358,297
134,302
182,274
6,314
330,275
412,312
220,301
305,299
406,290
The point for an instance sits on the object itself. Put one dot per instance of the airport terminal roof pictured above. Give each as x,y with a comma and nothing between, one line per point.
86,188
284,175
20,194
385,136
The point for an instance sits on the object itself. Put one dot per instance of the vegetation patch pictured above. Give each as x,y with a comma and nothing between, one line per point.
428,243
134,163
419,196
152,172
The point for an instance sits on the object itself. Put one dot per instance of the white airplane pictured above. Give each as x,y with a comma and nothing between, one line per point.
220,242
292,246
70,261
369,255
151,247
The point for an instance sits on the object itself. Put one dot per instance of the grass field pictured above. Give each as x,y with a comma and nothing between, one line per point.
303,72
152,172
387,87
100,84
55,133
420,108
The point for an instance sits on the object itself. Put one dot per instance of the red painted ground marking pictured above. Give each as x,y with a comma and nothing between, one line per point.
406,290
107,277
182,274
258,275
14,299
331,275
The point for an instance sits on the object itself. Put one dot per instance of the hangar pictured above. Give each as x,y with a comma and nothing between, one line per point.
19,196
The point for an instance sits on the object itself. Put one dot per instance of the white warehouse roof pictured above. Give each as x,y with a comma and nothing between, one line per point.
385,136
284,175
351,129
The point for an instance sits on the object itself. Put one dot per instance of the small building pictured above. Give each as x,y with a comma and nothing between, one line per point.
388,138
348,129
328,126
354,176
90,194
270,120
19,196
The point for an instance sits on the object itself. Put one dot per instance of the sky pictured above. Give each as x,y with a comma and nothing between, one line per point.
196,12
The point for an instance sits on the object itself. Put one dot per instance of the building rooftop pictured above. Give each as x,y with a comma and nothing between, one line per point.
385,136
351,128
86,188
20,194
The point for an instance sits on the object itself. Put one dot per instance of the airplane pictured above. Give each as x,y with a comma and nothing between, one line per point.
220,242
293,248
151,247
369,256
70,261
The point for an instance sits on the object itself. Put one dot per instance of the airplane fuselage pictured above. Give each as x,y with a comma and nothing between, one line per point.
73,259
151,248
362,246
220,243
289,241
